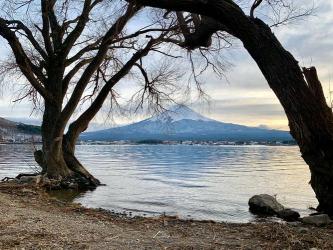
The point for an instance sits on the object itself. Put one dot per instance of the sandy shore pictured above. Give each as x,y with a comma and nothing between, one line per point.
30,219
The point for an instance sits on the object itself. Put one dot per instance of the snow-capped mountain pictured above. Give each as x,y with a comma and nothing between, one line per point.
177,113
182,123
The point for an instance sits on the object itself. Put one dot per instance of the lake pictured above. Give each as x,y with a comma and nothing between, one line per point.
191,181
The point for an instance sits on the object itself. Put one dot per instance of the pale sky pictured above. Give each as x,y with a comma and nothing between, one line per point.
244,97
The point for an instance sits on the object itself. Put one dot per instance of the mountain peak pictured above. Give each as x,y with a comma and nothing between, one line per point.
180,123
177,113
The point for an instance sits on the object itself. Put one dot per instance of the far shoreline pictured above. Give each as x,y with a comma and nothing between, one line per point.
207,143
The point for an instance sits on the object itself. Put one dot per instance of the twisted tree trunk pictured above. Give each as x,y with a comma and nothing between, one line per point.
74,164
57,158
52,153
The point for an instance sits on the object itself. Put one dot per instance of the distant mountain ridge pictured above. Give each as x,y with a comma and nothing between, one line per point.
10,129
182,123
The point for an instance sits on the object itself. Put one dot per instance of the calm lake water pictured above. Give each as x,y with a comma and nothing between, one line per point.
191,181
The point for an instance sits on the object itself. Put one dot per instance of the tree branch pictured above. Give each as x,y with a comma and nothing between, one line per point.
46,27
71,74
112,33
82,122
254,6
80,53
29,35
22,60
82,21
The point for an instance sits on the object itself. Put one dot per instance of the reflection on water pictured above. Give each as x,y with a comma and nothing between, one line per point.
197,181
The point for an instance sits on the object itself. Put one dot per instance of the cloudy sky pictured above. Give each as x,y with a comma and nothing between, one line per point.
244,96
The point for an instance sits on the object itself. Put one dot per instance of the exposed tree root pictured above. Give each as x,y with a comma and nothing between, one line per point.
79,178
76,182
6,179
81,173
71,182
22,175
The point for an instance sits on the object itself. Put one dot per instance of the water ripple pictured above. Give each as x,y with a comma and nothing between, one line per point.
201,182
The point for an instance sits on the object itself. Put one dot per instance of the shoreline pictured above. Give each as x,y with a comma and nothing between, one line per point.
205,143
31,219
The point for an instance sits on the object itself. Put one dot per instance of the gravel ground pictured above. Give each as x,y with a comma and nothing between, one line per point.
30,219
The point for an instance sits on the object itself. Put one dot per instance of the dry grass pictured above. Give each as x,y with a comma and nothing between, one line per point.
32,220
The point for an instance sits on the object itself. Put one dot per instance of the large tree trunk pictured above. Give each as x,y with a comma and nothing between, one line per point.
310,119
53,158
57,157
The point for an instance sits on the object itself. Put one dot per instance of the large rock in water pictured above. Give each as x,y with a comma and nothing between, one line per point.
265,204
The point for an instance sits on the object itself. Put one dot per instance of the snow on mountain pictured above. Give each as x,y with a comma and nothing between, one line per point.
177,113
182,123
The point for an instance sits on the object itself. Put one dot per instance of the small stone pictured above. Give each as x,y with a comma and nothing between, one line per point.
303,230
39,179
318,220
25,190
296,242
73,185
294,223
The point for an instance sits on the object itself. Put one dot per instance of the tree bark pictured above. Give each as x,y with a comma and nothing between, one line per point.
53,159
57,158
310,119
74,164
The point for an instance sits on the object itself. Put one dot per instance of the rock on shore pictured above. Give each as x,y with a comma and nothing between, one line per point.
265,204
318,220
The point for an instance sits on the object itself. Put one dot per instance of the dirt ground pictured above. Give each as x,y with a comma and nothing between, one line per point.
30,219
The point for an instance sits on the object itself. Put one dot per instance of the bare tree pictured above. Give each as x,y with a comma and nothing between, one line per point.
299,90
62,57
70,52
